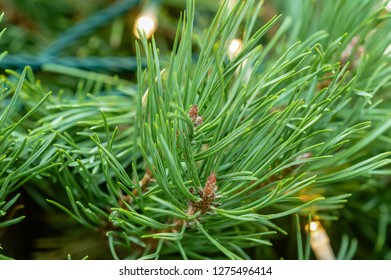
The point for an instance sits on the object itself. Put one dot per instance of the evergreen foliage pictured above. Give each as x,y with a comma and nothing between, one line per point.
205,155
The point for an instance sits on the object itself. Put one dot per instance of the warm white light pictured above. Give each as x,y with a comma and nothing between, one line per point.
145,23
235,47
320,243
313,226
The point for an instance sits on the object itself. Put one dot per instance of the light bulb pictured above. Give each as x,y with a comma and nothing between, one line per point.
146,23
320,242
313,226
235,47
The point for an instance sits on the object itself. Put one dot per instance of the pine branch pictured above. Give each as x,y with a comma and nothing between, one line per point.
291,128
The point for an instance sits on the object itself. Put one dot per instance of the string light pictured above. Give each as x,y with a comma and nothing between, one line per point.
313,226
146,22
235,47
320,242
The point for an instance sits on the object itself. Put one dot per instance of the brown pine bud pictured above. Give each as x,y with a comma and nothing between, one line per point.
193,112
210,186
195,118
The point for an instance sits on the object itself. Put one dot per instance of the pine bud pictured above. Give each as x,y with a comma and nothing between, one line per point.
195,118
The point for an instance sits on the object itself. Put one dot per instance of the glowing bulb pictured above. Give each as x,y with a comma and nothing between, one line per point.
235,47
320,242
146,23
313,226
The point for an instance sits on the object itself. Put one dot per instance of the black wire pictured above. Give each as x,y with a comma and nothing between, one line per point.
90,24
119,64
65,39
